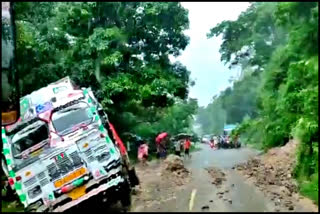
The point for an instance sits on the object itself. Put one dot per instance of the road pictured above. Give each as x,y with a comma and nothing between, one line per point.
158,193
244,197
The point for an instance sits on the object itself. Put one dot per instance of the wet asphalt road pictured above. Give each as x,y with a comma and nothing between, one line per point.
240,196
243,197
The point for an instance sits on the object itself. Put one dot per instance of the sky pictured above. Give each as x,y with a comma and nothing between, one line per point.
201,56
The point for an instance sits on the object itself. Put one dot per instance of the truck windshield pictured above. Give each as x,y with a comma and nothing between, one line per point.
30,139
70,119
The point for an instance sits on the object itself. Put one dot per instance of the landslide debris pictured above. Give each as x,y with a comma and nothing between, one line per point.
217,175
272,174
173,167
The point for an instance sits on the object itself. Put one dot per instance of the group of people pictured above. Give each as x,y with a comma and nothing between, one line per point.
219,141
182,145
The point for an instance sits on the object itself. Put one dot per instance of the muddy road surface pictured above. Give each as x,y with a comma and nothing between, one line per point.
212,185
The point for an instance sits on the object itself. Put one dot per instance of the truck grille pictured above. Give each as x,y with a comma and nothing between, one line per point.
91,158
65,165
30,182
76,159
53,171
88,152
41,175
44,182
102,147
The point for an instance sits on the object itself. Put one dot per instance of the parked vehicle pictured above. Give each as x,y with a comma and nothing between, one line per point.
206,139
226,141
63,151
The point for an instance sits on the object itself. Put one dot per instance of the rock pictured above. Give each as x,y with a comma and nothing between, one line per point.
211,201
271,182
205,207
291,207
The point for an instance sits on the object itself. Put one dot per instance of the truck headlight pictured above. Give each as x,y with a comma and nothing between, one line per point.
35,191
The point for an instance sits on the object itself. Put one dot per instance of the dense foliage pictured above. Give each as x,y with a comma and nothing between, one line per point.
120,49
276,45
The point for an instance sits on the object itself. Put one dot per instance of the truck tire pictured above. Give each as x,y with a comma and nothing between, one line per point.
125,197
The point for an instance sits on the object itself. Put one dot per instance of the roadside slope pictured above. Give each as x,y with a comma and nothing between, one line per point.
272,174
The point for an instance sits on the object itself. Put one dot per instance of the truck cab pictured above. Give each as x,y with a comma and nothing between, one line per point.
60,153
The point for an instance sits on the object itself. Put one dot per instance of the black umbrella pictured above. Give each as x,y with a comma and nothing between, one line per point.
181,136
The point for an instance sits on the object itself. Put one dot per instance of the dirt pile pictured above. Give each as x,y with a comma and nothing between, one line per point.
271,173
218,176
173,166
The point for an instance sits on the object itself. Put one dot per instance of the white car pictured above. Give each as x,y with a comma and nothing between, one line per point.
205,139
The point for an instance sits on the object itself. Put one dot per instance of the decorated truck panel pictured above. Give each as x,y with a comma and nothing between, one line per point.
59,153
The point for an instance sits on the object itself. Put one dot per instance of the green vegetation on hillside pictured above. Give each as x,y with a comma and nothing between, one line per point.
276,46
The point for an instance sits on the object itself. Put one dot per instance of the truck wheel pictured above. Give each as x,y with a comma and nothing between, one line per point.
125,197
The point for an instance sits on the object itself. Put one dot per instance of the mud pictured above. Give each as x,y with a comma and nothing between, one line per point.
271,173
217,175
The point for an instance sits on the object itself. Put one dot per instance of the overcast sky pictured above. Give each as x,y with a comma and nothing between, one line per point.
202,56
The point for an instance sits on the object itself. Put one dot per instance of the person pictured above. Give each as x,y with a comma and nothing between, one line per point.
187,145
143,153
162,150
211,143
215,140
161,147
178,148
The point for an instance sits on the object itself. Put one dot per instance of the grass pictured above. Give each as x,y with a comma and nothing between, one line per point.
5,207
309,188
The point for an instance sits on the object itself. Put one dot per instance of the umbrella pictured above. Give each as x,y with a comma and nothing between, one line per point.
182,135
161,136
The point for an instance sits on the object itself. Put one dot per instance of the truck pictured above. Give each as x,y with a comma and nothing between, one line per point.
230,143
63,150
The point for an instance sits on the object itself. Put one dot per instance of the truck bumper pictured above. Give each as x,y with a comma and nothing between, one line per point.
94,192
93,188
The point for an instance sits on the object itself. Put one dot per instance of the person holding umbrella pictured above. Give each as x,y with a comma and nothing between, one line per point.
161,140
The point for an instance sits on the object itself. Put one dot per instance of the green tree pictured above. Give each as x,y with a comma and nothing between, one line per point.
281,40
120,49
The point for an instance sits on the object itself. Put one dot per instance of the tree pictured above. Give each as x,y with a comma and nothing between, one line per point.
281,39
120,49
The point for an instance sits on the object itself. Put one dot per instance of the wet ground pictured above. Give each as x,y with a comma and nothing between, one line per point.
239,195
235,194
158,193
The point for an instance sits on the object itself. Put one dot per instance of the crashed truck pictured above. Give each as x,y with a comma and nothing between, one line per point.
63,151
